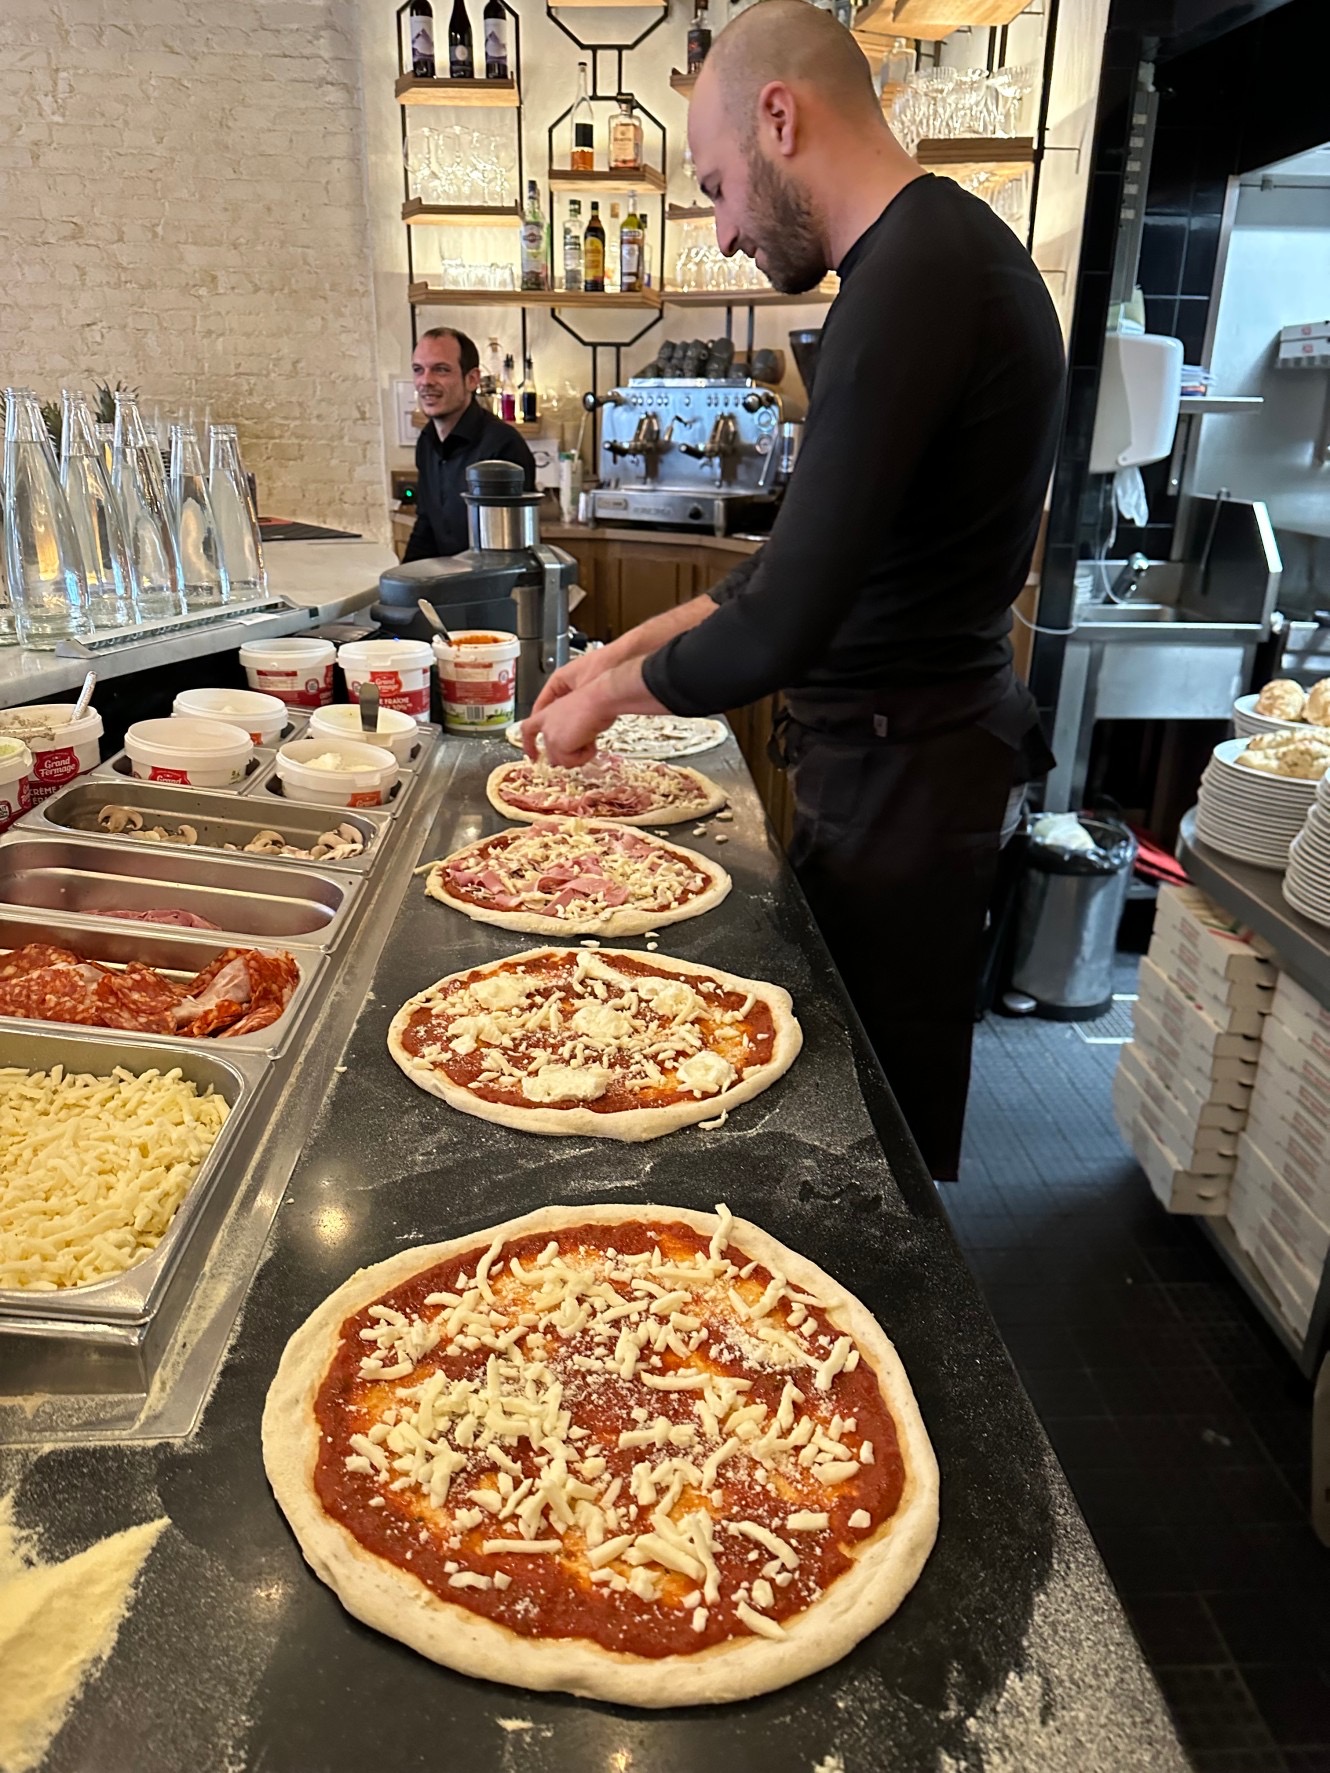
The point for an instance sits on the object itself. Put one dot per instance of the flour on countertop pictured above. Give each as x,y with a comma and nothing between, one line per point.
515,1723
58,1622
830,1764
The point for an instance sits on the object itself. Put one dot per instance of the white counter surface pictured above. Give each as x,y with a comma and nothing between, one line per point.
325,580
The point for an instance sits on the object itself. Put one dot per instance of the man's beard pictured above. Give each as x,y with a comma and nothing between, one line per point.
784,228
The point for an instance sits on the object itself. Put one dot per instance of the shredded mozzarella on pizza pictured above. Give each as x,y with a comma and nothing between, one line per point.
454,1441
608,787
569,869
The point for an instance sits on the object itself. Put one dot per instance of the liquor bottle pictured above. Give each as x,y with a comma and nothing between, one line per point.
202,568
97,517
496,40
612,234
489,382
530,401
572,245
644,250
630,251
44,563
422,39
507,393
625,135
237,520
593,252
137,476
461,62
535,266
699,38
583,157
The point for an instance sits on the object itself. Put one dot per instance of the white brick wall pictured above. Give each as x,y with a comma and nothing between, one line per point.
183,206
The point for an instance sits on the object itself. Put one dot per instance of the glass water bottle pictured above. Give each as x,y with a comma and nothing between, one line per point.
98,521
203,572
8,631
41,548
237,520
153,556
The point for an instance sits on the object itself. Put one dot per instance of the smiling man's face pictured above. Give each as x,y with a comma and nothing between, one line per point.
443,392
761,209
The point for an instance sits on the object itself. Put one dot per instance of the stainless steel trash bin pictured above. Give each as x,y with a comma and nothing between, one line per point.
1070,907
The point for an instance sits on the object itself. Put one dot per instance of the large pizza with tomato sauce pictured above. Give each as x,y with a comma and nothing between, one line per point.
633,790
599,1041
639,1453
577,876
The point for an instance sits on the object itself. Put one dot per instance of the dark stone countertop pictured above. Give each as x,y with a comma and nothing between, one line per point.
1011,1655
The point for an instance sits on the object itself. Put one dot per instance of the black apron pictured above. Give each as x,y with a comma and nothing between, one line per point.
899,801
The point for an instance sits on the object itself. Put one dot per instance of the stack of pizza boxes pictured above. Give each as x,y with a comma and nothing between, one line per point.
1280,1202
1184,1082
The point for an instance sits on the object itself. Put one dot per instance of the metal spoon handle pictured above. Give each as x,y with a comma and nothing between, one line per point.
85,696
434,619
369,708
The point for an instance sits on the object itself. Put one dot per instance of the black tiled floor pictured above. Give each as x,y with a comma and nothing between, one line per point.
1182,1425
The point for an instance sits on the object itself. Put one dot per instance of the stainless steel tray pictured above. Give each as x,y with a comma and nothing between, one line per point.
180,954
270,787
242,895
220,820
119,768
134,1295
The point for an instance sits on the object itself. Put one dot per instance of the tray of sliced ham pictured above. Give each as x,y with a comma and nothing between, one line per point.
153,981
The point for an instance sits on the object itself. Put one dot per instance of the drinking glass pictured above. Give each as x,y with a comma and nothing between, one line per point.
98,520
139,485
237,520
8,630
45,566
202,569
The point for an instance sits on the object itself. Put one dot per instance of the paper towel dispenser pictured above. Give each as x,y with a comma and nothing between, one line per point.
1139,390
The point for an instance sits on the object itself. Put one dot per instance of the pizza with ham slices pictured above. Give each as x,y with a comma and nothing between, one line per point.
605,1042
633,790
637,1453
579,876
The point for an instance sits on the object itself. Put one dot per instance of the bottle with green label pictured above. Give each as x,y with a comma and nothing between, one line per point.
535,266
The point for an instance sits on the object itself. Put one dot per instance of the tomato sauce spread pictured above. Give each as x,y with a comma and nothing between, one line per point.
746,1042
629,1603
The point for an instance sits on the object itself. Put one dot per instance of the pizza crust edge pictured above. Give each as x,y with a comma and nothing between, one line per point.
632,1125
392,1602
615,920
711,798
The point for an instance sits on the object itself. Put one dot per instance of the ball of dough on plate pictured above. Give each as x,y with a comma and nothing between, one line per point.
1316,709
1281,700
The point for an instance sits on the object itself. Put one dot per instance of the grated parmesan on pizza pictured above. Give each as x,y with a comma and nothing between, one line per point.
634,790
653,735
93,1169
582,875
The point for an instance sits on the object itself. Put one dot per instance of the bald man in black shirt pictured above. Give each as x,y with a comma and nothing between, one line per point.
881,602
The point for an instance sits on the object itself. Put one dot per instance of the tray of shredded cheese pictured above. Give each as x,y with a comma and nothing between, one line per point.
109,1152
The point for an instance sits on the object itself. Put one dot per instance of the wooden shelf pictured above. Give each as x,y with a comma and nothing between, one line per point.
683,83
606,5
645,178
416,212
500,93
874,37
427,295
743,298
688,212
912,16
977,150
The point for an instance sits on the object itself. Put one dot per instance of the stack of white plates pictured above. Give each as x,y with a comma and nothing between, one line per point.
1249,814
1307,883
1247,721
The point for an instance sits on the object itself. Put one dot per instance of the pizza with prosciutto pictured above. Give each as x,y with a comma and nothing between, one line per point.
610,1043
580,876
633,790
638,1453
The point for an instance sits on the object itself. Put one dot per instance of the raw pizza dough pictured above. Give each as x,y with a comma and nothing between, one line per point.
601,788
606,857
879,1569
653,735
698,1083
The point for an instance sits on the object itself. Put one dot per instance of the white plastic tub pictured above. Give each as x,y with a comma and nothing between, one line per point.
478,679
395,732
400,668
300,672
15,768
199,753
364,776
263,717
61,748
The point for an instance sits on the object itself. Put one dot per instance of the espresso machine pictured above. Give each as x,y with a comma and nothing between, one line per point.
507,579
691,453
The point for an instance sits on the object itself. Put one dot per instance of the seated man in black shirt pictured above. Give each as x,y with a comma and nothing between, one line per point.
446,368
880,604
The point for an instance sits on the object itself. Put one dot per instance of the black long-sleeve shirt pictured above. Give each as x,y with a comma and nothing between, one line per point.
908,528
441,465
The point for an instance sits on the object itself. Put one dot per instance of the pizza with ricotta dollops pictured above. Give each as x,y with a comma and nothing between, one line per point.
577,877
635,791
606,1042
638,1453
